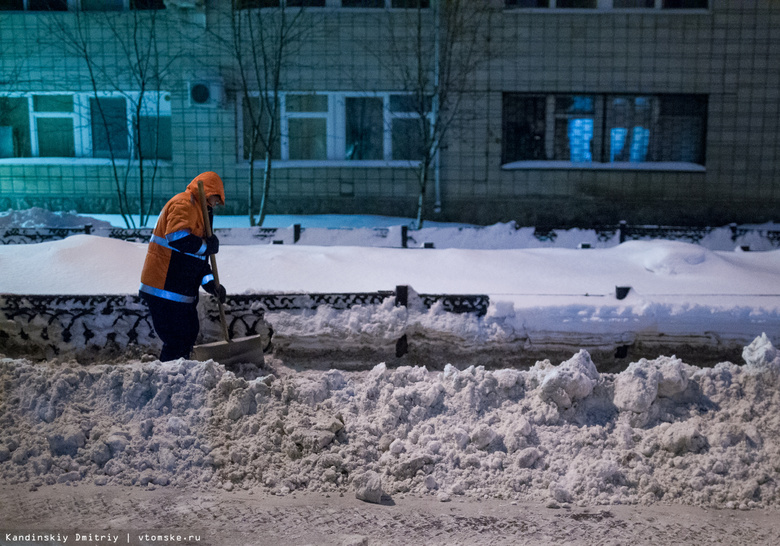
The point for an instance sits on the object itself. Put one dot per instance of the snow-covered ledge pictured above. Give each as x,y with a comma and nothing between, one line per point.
597,166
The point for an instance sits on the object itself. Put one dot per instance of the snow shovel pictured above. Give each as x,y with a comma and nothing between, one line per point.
242,350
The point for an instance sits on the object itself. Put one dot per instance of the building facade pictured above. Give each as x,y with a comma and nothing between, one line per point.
547,112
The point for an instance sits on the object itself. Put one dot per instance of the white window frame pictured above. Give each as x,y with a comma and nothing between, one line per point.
336,138
78,133
337,4
388,5
154,101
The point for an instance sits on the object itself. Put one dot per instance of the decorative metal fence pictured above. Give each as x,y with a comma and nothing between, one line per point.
91,326
402,237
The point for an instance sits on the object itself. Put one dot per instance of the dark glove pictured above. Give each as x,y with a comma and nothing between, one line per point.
212,245
211,288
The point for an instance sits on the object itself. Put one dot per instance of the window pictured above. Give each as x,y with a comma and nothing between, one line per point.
633,3
54,120
108,118
34,5
253,4
608,4
685,4
47,5
364,131
305,3
84,5
576,4
397,4
14,127
362,3
351,127
410,4
146,4
408,126
80,125
307,126
628,122
102,5
527,3
250,108
604,128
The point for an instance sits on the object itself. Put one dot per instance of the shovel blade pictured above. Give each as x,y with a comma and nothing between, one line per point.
242,350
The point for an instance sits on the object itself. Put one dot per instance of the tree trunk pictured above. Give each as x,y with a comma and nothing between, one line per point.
251,190
423,174
266,186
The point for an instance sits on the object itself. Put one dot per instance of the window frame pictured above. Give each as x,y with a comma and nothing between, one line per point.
605,5
155,103
337,4
76,5
601,143
336,131
78,133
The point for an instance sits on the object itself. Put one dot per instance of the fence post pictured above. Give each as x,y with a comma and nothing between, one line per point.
401,295
296,232
404,236
401,300
622,231
733,228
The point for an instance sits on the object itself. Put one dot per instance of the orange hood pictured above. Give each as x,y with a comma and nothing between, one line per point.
212,185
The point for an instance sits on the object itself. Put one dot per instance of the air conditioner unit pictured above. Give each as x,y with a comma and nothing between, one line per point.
206,93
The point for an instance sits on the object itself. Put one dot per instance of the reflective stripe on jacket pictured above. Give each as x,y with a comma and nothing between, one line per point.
168,271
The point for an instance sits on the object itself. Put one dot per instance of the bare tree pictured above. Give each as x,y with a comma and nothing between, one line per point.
261,42
13,108
134,73
434,55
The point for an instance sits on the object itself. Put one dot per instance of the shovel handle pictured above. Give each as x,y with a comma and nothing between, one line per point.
213,258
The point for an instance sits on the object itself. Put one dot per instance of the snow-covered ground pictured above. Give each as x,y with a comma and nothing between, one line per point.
679,295
559,434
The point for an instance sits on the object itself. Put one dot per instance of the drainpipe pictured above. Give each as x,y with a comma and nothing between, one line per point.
435,107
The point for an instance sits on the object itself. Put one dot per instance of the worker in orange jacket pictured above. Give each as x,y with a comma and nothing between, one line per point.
177,265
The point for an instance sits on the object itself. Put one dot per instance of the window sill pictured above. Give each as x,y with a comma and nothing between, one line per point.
621,11
309,164
79,161
595,166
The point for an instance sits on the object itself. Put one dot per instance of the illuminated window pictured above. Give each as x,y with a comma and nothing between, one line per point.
604,128
608,4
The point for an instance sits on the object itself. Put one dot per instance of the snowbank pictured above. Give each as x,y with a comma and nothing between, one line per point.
542,301
661,431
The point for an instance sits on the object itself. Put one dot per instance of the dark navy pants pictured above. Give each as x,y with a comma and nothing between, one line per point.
175,323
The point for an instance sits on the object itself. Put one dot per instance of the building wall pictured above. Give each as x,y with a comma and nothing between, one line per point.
727,53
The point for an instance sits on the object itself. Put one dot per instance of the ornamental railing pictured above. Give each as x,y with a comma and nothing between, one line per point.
512,236
96,326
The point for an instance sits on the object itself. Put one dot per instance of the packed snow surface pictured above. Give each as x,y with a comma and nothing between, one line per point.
676,289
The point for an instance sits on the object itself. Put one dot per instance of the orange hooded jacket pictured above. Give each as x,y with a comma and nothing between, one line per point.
176,261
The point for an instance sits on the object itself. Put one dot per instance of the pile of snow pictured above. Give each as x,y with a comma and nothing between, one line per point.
660,431
38,217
